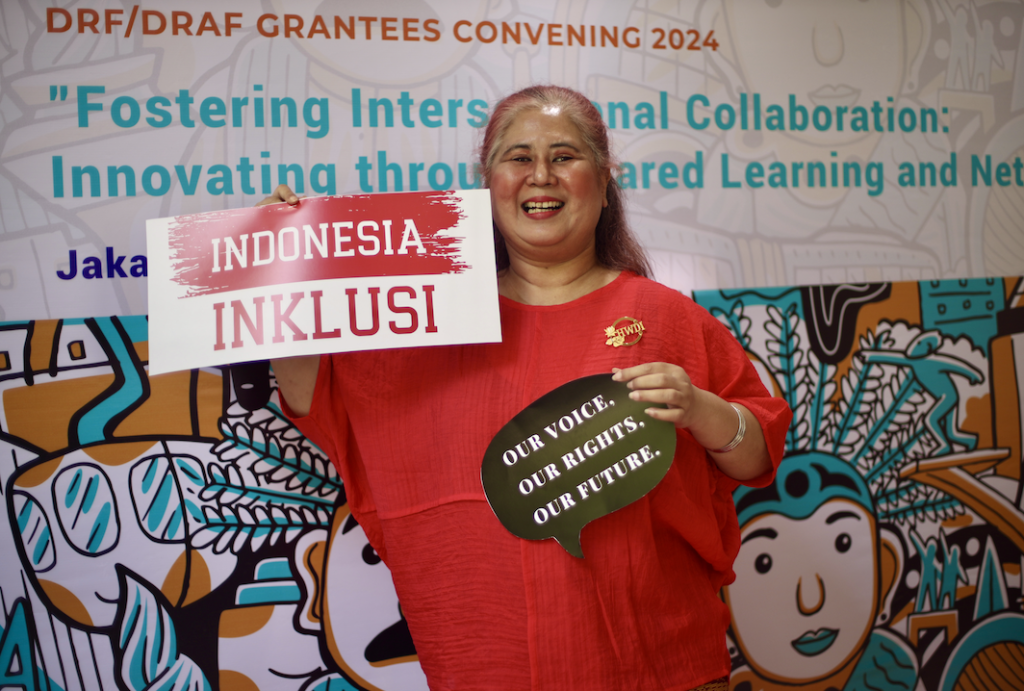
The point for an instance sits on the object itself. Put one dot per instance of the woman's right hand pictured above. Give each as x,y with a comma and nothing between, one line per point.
283,193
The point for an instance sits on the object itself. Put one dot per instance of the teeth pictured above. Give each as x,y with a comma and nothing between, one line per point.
537,207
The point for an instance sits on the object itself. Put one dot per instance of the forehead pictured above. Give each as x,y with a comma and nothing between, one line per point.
541,127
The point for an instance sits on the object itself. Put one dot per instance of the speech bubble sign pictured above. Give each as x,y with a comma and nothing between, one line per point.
574,455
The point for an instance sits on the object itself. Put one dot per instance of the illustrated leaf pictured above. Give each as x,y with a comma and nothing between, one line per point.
158,501
735,321
150,660
252,444
331,682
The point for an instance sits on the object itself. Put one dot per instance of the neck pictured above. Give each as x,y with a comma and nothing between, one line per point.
553,284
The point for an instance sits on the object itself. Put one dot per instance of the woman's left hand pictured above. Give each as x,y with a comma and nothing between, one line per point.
711,420
660,382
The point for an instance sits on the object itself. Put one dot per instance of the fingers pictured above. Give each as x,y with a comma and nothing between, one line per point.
660,382
283,193
668,396
680,404
674,415
653,375
648,368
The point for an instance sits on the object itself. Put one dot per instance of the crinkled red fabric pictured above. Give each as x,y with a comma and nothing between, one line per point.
408,429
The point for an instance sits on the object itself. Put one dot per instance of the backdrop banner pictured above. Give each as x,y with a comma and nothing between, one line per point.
761,144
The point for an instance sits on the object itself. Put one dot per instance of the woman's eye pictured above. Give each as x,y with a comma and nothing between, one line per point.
843,543
763,563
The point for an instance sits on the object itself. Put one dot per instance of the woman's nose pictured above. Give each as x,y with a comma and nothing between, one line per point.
810,599
541,174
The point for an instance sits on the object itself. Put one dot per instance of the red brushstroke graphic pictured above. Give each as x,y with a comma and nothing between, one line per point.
278,244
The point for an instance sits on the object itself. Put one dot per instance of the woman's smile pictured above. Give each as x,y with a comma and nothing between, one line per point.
542,207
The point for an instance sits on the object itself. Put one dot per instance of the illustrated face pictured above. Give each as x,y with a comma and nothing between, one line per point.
362,620
836,53
546,191
806,591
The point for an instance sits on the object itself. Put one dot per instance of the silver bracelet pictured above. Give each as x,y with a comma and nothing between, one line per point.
739,432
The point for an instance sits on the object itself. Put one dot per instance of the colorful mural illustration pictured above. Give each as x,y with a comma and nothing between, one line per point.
887,554
177,532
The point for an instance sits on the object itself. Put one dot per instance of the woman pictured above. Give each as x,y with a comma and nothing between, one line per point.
408,429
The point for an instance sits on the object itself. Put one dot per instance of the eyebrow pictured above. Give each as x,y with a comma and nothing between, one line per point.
553,146
838,515
763,532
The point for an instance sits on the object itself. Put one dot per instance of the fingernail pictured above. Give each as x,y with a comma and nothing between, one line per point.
635,395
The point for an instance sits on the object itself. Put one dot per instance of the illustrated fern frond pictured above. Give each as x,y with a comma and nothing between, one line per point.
931,508
227,487
787,361
735,321
823,390
892,403
262,453
857,406
233,528
899,450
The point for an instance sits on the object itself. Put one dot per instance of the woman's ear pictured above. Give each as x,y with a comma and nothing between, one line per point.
608,180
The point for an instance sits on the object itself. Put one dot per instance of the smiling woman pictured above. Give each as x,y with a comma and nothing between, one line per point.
578,139
546,197
408,429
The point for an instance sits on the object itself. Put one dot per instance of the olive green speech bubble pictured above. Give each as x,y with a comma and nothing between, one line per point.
572,456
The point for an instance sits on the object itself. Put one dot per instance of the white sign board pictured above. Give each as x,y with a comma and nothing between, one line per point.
331,274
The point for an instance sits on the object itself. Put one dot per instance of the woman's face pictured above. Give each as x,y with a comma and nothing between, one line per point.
546,190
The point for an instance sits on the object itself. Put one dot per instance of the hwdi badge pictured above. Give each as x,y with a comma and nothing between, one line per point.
626,331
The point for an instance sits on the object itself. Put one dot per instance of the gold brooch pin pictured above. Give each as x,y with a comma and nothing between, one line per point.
617,335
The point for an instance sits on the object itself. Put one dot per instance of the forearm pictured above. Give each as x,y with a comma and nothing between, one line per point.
716,426
296,378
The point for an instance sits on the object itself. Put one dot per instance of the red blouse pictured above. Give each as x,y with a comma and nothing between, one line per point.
408,428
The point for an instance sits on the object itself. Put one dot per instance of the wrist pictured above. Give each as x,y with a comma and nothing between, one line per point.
741,431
